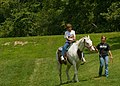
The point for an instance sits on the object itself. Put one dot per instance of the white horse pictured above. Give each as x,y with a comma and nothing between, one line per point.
74,56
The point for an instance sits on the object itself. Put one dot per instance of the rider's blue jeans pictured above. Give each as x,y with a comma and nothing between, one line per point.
65,48
103,61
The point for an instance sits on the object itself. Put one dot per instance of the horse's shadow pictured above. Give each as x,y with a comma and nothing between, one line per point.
64,83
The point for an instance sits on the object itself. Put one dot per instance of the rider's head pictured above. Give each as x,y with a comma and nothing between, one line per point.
69,27
103,39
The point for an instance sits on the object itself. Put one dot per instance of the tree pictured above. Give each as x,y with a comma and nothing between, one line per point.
48,17
113,16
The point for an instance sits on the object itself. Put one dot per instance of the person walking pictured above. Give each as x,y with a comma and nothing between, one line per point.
104,51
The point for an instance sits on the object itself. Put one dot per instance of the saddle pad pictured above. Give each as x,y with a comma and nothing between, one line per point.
60,48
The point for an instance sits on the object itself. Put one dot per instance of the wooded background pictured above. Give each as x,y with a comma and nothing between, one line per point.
20,18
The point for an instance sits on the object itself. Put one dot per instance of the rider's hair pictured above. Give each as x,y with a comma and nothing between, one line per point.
68,25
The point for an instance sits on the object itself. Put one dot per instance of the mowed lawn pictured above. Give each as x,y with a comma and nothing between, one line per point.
34,64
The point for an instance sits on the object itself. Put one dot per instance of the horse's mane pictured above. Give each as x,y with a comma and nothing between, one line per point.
78,41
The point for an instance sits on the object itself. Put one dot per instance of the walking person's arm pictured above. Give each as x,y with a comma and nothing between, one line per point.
96,49
111,58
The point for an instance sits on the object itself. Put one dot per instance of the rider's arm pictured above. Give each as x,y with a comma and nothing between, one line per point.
73,36
70,38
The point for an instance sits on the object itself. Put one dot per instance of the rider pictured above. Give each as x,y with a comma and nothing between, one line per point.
70,38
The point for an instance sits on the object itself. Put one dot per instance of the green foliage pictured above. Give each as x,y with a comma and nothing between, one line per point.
48,17
113,16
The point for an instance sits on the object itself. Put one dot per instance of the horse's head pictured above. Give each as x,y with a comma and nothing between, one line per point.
88,43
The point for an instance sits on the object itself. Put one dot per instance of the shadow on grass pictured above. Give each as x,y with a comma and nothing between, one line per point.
71,82
115,42
64,83
99,76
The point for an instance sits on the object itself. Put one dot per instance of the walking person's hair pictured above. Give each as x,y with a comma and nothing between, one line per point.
103,37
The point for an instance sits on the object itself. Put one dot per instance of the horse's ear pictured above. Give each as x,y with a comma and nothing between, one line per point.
88,36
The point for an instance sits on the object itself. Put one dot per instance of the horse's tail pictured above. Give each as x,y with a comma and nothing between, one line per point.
59,65
57,55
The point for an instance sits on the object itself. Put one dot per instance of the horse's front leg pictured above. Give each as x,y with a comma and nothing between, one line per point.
67,70
75,78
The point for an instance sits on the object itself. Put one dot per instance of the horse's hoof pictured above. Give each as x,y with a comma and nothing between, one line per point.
60,83
69,81
76,80
73,80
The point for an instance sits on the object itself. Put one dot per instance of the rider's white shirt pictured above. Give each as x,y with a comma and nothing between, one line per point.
68,34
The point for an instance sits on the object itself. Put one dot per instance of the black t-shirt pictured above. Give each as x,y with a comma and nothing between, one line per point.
103,49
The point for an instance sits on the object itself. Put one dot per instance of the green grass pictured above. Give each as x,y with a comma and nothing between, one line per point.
34,64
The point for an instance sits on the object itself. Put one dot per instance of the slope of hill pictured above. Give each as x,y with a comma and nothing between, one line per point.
31,61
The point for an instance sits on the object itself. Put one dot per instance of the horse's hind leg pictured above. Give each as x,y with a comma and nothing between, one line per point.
67,70
60,72
58,54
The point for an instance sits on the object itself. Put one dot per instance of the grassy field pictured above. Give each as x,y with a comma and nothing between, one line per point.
34,64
